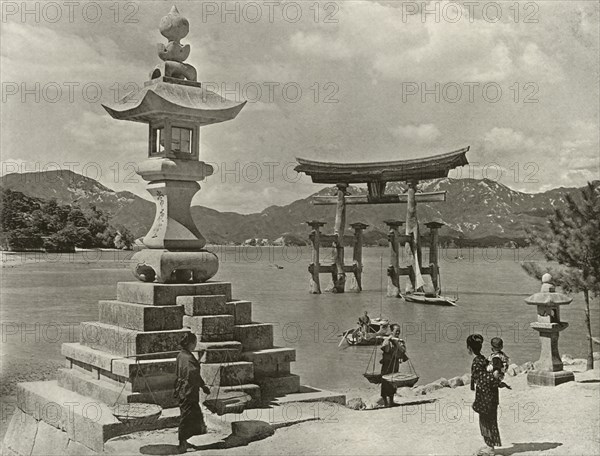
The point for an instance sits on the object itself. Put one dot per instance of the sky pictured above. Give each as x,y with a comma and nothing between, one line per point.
343,81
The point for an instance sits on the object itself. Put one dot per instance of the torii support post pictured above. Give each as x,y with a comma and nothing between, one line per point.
412,228
433,254
338,275
315,266
393,271
357,252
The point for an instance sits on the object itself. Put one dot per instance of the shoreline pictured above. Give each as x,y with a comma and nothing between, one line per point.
533,421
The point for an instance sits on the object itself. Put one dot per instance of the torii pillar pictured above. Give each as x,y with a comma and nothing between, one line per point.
412,230
338,275
358,228
315,266
393,271
433,253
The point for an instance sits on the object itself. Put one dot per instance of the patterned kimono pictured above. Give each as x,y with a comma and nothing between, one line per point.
187,390
486,400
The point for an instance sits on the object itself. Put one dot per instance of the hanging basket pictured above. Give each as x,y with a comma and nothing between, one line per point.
138,412
373,378
398,380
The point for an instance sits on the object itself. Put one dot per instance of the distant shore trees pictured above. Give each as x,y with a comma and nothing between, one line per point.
36,224
573,241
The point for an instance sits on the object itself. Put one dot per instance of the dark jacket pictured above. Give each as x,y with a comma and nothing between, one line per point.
189,381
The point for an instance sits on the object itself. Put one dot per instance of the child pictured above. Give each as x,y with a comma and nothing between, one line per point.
497,346
498,361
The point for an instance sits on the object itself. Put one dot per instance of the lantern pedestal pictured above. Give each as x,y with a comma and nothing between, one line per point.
545,378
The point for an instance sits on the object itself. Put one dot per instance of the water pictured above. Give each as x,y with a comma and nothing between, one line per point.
44,299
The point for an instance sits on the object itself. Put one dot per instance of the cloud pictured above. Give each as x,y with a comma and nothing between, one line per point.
44,54
419,134
381,37
319,45
502,139
533,59
529,162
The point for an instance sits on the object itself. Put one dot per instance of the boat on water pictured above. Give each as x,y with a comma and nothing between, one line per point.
429,298
377,329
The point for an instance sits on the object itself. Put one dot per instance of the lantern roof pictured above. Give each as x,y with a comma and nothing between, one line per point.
161,99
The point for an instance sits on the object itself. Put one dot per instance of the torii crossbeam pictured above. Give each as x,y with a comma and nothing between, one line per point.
376,175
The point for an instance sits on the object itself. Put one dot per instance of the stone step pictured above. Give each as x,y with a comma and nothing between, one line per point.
254,336
203,305
161,294
278,386
84,419
227,374
140,317
241,311
251,389
219,356
127,342
110,393
310,394
270,361
219,352
210,328
117,365
222,402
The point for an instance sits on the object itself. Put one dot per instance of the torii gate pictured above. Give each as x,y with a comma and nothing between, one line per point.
376,175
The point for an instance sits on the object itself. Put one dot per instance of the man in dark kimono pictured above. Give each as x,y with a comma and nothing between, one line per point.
187,388
394,352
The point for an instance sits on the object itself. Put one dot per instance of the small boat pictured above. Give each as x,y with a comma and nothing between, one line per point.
378,328
426,298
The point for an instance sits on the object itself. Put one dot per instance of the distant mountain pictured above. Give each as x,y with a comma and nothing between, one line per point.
475,209
67,187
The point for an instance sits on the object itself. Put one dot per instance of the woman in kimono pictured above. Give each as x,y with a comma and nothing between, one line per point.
394,352
486,402
187,388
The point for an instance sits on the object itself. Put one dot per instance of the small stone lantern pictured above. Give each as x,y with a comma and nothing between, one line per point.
549,368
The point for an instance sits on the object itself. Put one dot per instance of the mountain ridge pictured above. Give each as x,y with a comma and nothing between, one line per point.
475,208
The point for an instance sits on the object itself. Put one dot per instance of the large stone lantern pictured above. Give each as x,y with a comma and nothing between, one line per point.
175,106
549,368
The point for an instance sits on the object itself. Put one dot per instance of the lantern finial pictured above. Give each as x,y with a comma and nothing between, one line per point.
174,27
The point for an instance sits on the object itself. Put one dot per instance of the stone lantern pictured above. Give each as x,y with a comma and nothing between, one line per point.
174,105
549,368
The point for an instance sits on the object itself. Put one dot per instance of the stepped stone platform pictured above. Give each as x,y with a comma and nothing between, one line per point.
129,356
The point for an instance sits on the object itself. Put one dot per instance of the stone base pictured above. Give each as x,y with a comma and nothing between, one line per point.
228,374
270,362
140,317
271,387
255,336
109,393
127,342
86,421
158,294
164,266
546,378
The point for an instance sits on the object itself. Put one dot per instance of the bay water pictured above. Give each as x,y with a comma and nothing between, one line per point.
44,297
